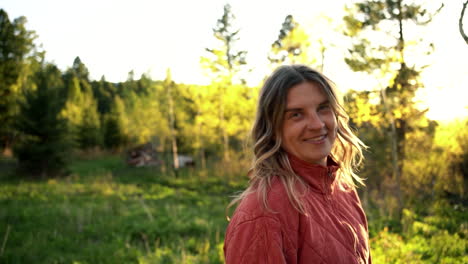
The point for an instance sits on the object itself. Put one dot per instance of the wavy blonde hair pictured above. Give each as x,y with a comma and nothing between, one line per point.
270,160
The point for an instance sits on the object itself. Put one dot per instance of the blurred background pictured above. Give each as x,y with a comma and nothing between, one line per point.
124,124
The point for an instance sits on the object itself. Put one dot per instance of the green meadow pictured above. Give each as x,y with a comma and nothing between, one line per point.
107,212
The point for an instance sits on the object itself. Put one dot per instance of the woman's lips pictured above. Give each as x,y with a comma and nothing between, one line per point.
317,139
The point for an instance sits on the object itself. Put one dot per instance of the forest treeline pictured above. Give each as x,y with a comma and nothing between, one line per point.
46,113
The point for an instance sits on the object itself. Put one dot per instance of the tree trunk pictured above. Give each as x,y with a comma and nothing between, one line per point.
201,146
222,123
172,128
395,156
398,144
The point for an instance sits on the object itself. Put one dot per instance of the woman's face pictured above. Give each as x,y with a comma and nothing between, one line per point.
309,126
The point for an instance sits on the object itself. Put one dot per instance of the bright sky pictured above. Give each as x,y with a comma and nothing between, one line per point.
113,37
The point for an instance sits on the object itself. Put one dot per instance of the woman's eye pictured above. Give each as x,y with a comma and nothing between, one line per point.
324,107
295,115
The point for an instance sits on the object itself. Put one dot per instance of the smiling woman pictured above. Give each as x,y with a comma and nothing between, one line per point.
309,126
301,205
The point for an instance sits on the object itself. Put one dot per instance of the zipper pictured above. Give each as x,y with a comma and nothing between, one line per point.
328,189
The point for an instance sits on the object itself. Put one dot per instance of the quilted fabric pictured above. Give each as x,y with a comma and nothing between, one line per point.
334,229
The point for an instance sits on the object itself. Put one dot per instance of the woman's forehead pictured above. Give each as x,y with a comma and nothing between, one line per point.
306,93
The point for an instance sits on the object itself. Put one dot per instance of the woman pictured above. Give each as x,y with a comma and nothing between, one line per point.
301,205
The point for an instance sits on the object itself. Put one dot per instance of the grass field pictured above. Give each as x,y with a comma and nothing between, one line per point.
106,212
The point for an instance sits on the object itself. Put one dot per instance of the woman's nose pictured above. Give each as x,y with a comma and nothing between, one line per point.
315,122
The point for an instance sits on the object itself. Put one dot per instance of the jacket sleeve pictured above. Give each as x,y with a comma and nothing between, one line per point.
257,240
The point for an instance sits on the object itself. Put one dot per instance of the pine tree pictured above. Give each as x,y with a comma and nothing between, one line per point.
80,109
80,70
115,135
89,131
225,64
396,112
104,93
44,144
16,45
292,45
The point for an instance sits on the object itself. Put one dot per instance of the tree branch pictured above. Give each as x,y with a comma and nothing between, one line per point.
430,18
460,23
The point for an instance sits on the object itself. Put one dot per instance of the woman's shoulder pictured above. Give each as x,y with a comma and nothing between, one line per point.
257,234
255,228
276,207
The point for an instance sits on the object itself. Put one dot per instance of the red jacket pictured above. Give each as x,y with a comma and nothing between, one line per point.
334,230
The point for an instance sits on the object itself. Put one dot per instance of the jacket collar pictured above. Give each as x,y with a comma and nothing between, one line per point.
318,177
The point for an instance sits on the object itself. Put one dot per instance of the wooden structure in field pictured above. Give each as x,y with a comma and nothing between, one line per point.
143,156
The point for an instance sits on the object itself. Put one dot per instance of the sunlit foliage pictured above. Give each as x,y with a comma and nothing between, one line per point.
292,45
17,48
388,114
225,64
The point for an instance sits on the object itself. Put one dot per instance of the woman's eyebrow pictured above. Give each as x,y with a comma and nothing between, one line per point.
325,102
292,110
